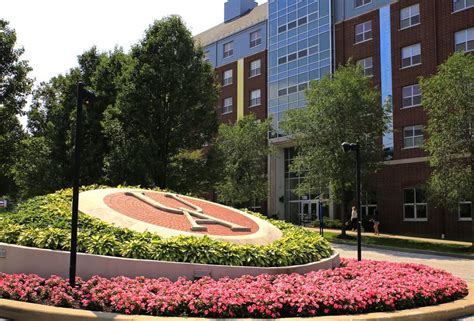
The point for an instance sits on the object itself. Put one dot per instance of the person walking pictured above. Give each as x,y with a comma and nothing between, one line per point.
376,222
354,218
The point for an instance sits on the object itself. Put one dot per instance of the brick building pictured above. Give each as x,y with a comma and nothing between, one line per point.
296,41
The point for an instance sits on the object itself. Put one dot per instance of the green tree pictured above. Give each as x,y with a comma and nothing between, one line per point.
51,122
15,86
448,99
166,106
243,148
341,107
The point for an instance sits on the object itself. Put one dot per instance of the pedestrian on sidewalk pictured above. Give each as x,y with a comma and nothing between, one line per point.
376,221
354,218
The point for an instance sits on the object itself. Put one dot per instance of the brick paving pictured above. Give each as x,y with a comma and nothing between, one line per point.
134,208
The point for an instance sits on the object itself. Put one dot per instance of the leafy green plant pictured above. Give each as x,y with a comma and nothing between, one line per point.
45,222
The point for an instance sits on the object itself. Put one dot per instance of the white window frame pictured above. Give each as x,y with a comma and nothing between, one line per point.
410,51
415,204
366,31
255,70
227,106
228,77
257,99
228,49
410,16
411,97
361,3
255,38
413,137
467,36
366,67
459,211
466,4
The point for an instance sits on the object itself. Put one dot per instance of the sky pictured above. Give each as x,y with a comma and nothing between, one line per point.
54,32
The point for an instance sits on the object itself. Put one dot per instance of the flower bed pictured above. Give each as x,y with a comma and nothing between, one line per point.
357,287
45,222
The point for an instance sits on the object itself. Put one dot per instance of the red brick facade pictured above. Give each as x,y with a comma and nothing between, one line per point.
435,33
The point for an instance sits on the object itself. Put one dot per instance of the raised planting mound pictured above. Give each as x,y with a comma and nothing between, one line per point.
357,287
45,222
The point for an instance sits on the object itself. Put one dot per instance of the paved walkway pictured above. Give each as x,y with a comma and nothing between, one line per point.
401,237
463,268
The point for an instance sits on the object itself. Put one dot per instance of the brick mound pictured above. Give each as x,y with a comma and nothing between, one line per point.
134,208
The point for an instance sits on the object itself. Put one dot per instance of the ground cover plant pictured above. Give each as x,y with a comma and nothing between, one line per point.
355,287
45,222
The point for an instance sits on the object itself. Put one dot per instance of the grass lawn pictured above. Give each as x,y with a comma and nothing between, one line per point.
403,244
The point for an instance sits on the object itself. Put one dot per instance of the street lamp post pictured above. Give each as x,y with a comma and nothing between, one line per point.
347,148
82,95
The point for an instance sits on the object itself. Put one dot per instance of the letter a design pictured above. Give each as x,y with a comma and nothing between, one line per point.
196,211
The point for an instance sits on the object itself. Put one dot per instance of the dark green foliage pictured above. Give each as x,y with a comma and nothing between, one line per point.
15,86
44,221
243,148
448,99
166,108
341,107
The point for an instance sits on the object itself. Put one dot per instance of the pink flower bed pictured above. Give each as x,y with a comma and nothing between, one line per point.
367,286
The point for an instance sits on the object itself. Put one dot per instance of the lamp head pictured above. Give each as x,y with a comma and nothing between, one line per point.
347,147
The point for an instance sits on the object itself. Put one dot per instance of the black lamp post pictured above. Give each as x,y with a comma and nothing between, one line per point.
348,147
83,95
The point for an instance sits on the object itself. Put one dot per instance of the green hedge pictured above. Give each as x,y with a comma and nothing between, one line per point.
45,221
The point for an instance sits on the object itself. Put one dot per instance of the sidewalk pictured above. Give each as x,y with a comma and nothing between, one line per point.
400,237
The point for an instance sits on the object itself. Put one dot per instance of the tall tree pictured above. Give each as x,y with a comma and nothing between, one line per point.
341,107
51,122
243,148
166,107
448,99
15,86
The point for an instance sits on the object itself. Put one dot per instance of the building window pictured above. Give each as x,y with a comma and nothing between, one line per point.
415,207
255,38
462,4
411,55
255,98
465,211
227,106
410,16
360,3
255,68
367,65
411,96
412,136
228,49
464,40
363,31
227,79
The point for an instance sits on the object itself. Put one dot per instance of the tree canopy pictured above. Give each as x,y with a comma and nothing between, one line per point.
15,86
448,99
341,107
166,107
243,149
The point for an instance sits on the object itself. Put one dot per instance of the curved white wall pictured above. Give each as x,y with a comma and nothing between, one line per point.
20,259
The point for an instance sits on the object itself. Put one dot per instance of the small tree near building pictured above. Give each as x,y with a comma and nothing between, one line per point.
448,99
243,149
341,107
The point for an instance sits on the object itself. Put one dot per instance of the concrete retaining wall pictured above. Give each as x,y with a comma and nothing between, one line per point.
20,259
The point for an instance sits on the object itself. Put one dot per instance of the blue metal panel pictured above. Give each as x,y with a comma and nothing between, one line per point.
344,9
386,72
235,8
211,52
241,41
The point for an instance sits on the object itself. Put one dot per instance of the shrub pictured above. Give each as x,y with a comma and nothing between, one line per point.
45,221
357,287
